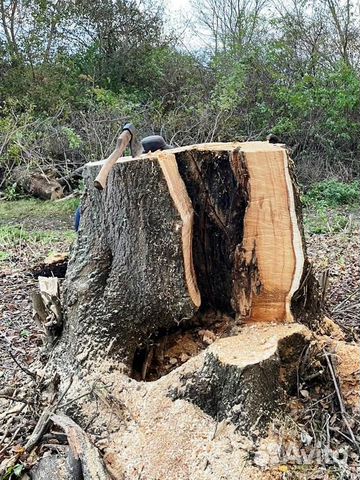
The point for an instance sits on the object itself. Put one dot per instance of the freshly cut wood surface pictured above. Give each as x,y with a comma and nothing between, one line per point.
271,233
207,147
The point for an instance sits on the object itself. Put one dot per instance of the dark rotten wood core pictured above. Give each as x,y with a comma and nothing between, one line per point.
219,202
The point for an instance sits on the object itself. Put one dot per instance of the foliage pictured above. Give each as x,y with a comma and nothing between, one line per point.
73,72
14,472
332,193
10,192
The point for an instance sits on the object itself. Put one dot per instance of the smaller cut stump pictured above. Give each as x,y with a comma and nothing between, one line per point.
245,378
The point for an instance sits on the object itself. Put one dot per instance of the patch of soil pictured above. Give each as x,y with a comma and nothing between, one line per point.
338,255
21,339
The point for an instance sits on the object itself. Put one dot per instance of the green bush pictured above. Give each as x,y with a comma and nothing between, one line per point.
333,193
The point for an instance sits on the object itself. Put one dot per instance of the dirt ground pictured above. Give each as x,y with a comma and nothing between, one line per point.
333,254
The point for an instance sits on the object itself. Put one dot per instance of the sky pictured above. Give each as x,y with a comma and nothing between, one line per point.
181,16
174,6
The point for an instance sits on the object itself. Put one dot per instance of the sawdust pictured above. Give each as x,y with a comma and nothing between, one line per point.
346,360
347,366
330,328
157,438
147,434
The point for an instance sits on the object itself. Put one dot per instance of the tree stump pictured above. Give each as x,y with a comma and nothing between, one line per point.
183,247
178,233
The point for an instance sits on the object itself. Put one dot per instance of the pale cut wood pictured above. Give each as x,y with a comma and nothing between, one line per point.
271,234
49,286
50,294
183,204
201,147
47,309
272,239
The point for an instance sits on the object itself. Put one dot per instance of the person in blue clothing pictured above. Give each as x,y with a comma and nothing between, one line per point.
77,219
149,144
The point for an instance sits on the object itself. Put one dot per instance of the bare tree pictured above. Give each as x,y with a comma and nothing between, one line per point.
343,22
230,24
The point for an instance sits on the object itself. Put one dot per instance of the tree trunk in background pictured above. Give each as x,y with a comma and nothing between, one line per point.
181,233
37,184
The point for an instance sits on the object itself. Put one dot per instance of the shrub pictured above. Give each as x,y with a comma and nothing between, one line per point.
333,193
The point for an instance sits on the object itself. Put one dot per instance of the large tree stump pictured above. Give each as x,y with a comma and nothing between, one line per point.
183,247
178,233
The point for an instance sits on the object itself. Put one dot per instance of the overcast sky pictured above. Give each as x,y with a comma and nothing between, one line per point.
177,5
181,16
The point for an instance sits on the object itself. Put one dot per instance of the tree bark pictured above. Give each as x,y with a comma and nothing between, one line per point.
190,272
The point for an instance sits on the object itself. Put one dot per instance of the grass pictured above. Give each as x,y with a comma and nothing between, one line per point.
4,256
331,207
322,220
12,236
35,224
22,209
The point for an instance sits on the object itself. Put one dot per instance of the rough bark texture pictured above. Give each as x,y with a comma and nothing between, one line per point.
240,379
126,277
212,226
184,247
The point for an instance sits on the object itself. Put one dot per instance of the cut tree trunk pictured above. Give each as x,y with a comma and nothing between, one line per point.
212,227
182,248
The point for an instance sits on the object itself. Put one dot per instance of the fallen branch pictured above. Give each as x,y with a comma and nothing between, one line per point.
340,400
24,369
42,425
82,451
